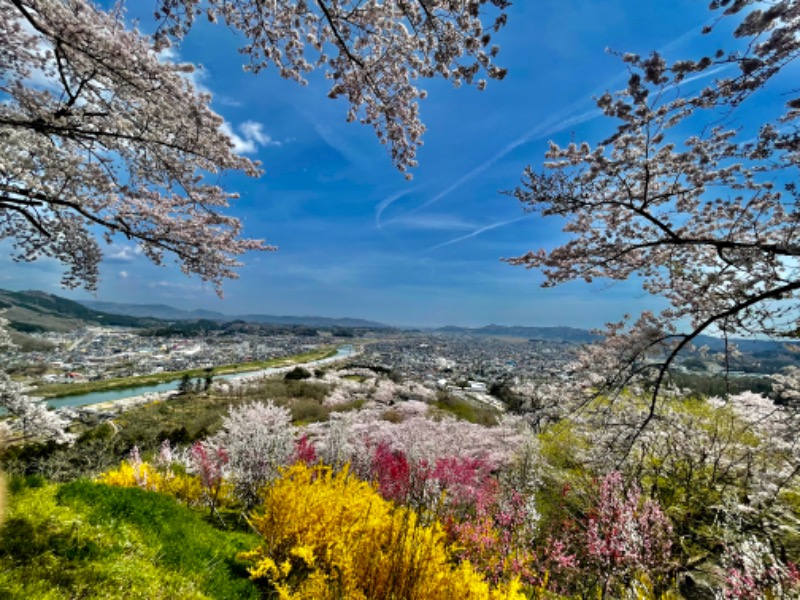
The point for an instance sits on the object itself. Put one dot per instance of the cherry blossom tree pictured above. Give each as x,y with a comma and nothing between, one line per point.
102,135
708,222
30,415
98,132
373,52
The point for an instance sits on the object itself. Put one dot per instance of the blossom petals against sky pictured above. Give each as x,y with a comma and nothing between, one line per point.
355,238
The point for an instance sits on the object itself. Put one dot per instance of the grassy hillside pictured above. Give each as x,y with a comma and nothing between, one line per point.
86,540
33,311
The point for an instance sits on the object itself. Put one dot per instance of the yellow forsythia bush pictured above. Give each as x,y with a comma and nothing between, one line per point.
185,488
331,535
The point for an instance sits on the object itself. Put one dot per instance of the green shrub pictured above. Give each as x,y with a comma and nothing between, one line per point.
306,410
465,409
297,373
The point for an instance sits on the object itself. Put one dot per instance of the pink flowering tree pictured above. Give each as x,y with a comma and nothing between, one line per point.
621,534
497,535
625,531
209,463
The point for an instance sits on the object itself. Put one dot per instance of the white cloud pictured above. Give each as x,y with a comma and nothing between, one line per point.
123,274
255,131
122,253
249,135
252,136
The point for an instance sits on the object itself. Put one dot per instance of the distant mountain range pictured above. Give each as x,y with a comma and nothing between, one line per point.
170,313
156,311
560,334
35,311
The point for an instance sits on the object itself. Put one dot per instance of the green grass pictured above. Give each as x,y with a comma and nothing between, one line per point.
356,378
57,390
86,540
471,411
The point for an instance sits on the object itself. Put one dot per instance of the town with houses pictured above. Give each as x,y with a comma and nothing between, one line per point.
438,360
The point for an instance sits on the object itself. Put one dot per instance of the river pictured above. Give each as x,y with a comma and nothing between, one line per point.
114,395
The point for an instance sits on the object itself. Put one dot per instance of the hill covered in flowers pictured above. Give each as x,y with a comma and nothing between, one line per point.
350,484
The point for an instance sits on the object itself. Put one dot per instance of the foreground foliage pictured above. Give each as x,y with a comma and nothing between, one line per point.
330,535
553,506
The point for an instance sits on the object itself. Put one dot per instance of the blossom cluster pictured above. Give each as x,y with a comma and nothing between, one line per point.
31,415
329,534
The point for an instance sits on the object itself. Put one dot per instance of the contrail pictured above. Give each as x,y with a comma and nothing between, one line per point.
386,203
554,124
476,232
537,132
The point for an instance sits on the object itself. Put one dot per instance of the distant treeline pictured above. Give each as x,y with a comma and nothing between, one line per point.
719,385
203,327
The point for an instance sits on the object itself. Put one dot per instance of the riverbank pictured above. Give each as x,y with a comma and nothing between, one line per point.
113,406
62,390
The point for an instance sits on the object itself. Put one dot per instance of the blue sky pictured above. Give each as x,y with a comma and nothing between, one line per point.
355,238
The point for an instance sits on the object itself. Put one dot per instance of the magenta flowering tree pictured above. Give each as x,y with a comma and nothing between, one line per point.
452,486
304,451
209,463
391,472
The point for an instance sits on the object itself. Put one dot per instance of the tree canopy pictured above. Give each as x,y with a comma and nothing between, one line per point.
101,134
708,222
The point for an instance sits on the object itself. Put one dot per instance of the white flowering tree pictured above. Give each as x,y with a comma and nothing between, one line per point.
708,222
30,415
258,439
